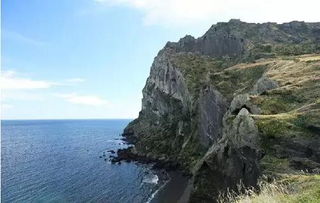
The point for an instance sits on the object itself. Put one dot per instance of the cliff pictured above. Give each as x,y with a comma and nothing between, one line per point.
240,102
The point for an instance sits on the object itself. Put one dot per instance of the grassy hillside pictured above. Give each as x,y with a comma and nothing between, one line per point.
289,113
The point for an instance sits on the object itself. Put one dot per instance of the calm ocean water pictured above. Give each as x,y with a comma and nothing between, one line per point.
59,161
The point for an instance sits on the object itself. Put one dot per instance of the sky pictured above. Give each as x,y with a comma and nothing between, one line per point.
73,59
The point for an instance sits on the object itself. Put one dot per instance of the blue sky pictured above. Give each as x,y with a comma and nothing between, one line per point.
90,58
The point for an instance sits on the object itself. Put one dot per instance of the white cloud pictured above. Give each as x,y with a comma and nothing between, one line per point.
75,80
180,12
22,95
90,100
6,106
10,80
12,35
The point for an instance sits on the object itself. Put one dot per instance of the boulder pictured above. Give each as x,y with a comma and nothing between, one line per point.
243,101
232,161
264,84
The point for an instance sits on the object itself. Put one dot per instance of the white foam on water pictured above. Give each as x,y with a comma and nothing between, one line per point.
151,179
156,192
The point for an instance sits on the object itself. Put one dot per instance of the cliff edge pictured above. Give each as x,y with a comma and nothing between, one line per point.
240,103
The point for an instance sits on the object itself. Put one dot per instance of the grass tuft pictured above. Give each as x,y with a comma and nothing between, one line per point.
301,188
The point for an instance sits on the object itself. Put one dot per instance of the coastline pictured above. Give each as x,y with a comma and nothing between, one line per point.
174,190
176,183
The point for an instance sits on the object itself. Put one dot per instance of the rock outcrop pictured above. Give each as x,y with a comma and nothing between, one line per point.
212,107
264,84
239,39
215,105
233,160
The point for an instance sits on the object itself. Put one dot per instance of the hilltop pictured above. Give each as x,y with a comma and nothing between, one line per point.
241,104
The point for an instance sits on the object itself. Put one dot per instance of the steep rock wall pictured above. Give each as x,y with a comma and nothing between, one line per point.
179,125
201,115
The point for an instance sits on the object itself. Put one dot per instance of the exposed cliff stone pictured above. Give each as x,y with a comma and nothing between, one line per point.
167,80
212,108
216,43
238,39
264,84
188,122
243,101
165,110
233,160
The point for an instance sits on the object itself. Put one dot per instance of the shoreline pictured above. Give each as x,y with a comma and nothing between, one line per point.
176,182
174,190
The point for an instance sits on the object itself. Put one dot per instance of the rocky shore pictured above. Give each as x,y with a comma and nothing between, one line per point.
129,154
239,103
174,181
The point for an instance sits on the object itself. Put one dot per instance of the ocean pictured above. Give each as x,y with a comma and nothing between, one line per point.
64,161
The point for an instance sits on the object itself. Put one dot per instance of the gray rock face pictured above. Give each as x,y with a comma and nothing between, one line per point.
297,147
167,80
242,131
166,95
264,84
243,101
174,121
215,43
165,107
212,107
231,161
236,38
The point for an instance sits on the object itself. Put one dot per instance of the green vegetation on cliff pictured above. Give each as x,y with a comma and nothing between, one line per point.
216,104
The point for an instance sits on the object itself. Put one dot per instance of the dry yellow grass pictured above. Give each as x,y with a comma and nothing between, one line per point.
302,188
294,74
312,57
269,193
251,65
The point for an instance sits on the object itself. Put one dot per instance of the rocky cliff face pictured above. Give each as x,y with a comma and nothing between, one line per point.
217,104
242,40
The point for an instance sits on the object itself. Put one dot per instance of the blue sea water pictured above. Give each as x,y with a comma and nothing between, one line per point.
59,161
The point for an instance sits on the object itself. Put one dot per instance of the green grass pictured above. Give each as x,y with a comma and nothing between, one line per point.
296,49
201,71
236,81
273,165
195,68
303,188
287,125
277,101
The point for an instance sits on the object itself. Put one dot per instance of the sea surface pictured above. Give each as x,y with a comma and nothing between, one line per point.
64,161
